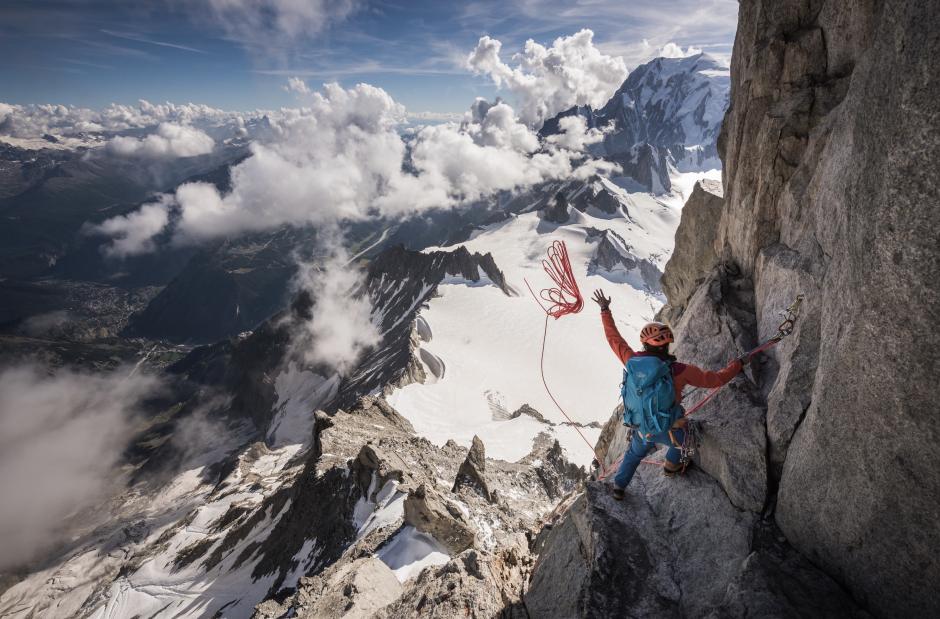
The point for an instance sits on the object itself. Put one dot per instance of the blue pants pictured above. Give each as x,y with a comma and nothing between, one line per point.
638,449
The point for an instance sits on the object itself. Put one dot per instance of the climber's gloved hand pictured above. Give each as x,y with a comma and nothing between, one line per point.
601,300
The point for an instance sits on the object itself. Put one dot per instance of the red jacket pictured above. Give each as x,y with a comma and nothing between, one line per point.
682,373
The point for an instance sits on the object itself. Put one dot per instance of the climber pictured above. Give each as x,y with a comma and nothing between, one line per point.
652,393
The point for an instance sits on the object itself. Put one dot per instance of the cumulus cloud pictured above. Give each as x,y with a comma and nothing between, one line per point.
671,50
297,85
574,134
341,327
341,157
61,439
33,121
641,52
170,140
546,81
434,116
133,233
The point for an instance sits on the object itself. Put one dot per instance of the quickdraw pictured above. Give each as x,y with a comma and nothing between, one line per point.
690,442
789,317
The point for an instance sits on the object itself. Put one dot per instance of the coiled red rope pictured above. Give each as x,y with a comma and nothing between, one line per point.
565,298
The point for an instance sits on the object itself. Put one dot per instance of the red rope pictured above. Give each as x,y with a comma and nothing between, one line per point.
565,299
768,344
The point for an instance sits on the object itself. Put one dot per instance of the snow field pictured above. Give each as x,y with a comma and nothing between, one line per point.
490,343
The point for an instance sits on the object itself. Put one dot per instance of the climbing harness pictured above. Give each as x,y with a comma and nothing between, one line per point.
692,428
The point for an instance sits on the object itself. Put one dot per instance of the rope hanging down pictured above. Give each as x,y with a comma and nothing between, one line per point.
565,299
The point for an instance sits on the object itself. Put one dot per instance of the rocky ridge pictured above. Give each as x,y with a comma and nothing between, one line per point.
395,487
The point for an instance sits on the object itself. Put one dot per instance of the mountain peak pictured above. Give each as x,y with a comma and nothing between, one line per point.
668,112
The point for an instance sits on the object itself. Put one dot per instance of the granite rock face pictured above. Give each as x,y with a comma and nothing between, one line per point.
831,191
674,547
694,256
472,472
429,512
718,326
355,589
475,583
829,150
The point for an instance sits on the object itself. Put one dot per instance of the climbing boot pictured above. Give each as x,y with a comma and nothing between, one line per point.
671,470
617,493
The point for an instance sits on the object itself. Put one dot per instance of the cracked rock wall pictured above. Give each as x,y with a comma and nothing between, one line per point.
830,151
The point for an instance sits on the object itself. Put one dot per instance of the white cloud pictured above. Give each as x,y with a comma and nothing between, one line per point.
33,121
435,116
341,327
61,439
637,53
133,233
169,141
341,157
547,81
498,127
297,85
263,25
671,50
574,134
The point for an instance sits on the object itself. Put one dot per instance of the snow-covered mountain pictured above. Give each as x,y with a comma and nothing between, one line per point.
667,114
489,343
435,476
457,362
267,484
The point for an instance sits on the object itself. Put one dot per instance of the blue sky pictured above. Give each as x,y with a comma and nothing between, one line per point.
237,54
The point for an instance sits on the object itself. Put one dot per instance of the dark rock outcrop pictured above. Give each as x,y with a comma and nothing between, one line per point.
556,211
401,281
614,260
472,472
694,256
527,410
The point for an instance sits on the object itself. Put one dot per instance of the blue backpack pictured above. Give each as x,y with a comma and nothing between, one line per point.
649,396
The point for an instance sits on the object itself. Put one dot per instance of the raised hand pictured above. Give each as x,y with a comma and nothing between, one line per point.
601,300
